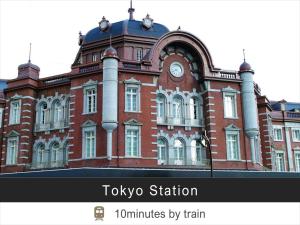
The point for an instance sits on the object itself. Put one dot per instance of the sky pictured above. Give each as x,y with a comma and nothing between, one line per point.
268,30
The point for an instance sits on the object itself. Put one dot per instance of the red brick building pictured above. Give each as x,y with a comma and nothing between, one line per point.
139,95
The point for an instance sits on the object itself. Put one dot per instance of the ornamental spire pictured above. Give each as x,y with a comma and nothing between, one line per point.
131,11
29,58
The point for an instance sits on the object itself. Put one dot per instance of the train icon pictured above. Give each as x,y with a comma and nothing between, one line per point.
99,212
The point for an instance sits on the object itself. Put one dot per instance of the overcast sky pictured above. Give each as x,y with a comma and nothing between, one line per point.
268,30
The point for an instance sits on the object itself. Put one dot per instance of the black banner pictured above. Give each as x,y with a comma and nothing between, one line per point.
149,190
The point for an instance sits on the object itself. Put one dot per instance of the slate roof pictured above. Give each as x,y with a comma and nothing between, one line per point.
125,27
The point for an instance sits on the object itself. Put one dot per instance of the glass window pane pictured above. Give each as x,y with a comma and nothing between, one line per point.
229,106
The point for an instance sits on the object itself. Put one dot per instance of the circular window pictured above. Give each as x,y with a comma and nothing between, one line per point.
176,69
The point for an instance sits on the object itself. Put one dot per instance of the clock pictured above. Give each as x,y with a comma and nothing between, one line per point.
103,24
176,69
147,22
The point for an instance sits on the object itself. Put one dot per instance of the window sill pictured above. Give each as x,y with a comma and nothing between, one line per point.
231,118
132,157
126,111
178,125
278,140
93,158
52,129
234,160
88,113
11,165
12,124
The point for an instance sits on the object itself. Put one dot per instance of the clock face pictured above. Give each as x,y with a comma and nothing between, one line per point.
176,69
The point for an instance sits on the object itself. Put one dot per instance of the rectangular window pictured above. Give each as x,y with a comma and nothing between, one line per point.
132,142
90,100
132,99
160,107
12,151
270,126
1,116
89,142
230,105
296,135
280,165
277,133
232,144
139,54
94,57
297,161
15,112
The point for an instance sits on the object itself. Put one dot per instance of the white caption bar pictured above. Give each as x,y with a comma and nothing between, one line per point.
150,213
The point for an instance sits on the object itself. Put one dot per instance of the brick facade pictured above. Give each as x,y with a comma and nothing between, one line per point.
145,61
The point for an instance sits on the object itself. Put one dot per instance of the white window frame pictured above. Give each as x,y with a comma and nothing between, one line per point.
257,143
1,116
138,129
270,126
295,139
15,118
94,57
86,100
139,54
138,96
57,111
192,108
161,119
275,134
12,159
41,152
228,152
283,158
225,104
178,120
55,152
196,148
297,160
177,159
84,139
41,112
161,161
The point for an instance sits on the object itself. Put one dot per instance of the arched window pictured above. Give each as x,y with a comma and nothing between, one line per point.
161,108
162,149
43,113
177,110
179,149
194,109
66,153
54,152
41,156
56,155
57,112
198,154
66,112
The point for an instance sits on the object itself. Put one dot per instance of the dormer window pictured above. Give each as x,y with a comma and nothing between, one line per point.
139,54
94,57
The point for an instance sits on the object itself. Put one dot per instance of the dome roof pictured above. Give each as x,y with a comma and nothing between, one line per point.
125,27
245,67
110,52
29,64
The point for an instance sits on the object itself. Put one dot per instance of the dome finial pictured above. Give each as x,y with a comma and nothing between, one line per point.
131,11
29,58
244,55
